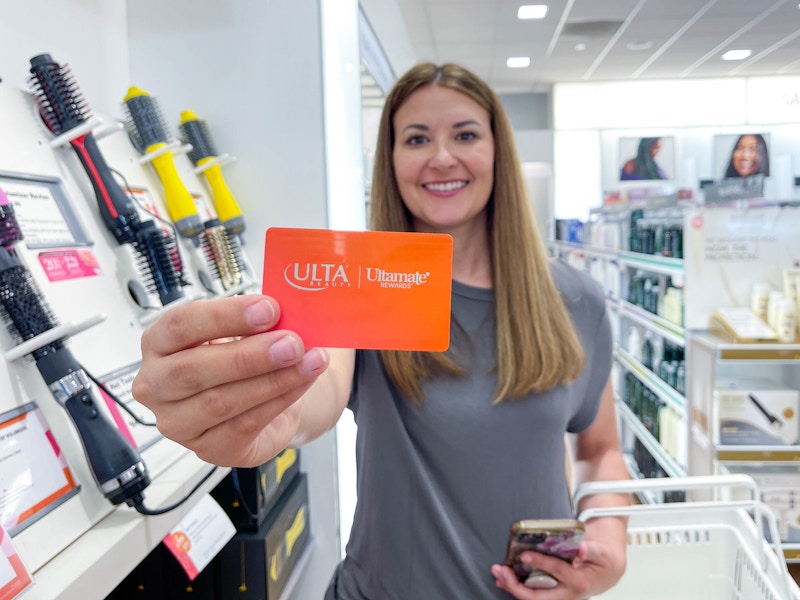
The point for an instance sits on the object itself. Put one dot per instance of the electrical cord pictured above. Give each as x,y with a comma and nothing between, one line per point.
138,501
116,399
237,488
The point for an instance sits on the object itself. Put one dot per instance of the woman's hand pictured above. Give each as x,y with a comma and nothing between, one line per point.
599,565
221,383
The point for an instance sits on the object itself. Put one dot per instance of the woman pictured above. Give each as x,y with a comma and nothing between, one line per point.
644,165
749,156
451,447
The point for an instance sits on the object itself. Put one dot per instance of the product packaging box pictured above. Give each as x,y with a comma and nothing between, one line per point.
258,489
178,585
757,412
257,565
780,490
145,581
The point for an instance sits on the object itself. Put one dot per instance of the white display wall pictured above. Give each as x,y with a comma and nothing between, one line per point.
255,73
692,112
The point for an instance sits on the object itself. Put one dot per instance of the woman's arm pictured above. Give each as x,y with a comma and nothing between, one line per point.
601,558
224,384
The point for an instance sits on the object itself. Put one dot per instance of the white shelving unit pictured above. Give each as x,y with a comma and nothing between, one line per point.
614,275
714,358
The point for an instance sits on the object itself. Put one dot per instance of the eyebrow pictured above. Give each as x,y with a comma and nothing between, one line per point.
458,125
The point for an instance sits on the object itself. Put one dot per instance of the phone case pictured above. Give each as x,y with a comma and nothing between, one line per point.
555,537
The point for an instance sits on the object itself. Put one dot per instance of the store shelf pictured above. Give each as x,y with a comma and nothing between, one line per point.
669,395
665,459
584,248
645,497
728,351
653,263
766,454
666,329
791,551
92,565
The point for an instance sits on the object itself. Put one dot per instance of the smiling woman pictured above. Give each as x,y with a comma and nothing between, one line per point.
749,156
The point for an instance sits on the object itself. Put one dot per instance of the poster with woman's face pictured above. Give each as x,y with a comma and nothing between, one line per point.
646,158
741,155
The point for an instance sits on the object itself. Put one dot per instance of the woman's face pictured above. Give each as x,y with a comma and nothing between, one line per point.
746,156
655,148
443,159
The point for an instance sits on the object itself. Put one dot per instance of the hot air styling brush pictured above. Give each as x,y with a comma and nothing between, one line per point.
9,228
148,133
223,247
223,254
221,251
194,131
63,108
115,464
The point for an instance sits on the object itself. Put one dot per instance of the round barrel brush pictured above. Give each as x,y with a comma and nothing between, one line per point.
63,108
195,131
149,135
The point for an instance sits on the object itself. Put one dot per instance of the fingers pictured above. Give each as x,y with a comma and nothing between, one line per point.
251,438
201,321
231,402
226,381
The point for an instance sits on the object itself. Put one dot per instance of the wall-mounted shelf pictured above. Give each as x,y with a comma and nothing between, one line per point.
667,461
669,395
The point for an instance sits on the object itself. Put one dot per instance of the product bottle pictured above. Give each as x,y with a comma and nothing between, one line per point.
647,352
786,321
759,300
775,299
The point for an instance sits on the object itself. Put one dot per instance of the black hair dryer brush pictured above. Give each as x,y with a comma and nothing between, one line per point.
115,464
63,108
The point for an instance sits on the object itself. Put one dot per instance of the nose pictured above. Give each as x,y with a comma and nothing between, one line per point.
442,156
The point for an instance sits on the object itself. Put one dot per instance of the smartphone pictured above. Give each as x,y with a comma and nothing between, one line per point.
556,537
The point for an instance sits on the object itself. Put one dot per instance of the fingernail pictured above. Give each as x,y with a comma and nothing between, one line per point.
260,313
313,361
284,350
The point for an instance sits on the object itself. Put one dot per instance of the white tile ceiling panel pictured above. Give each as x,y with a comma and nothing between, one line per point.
687,37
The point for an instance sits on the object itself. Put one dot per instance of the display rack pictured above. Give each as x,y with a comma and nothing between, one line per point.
712,358
612,268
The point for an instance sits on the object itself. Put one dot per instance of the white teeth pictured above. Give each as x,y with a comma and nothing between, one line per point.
445,187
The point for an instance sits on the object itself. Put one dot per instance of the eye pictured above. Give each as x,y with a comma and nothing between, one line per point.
466,136
416,140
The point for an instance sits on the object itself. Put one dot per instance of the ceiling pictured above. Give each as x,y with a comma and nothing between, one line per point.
597,40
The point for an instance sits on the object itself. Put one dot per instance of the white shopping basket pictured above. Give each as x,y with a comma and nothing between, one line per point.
706,550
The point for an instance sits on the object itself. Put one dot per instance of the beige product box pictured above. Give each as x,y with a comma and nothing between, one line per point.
780,490
757,412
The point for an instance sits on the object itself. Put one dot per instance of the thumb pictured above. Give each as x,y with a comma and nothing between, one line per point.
589,552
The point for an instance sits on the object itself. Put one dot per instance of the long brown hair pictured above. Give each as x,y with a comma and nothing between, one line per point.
537,346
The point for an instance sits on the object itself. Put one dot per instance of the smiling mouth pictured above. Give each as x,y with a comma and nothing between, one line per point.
445,187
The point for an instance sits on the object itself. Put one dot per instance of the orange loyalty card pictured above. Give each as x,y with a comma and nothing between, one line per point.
361,289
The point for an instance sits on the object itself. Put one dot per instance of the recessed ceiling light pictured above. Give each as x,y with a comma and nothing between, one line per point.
736,54
580,46
532,11
640,45
518,62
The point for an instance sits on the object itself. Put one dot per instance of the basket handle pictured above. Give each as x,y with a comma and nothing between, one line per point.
761,513
736,480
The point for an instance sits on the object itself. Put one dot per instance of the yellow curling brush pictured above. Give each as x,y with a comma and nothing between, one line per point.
194,131
148,134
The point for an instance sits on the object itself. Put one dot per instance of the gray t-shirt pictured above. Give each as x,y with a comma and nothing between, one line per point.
439,486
